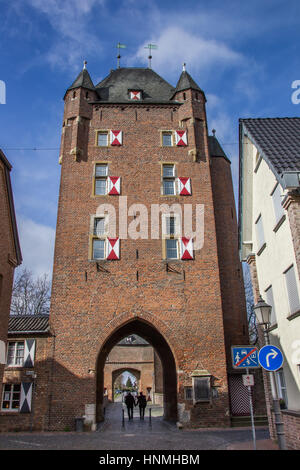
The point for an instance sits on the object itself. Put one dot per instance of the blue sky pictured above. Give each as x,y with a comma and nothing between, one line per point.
244,55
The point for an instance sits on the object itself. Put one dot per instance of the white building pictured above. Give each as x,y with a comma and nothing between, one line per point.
269,227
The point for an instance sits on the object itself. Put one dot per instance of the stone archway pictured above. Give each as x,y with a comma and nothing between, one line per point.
117,372
156,339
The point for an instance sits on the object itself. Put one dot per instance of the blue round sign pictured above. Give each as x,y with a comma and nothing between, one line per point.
270,357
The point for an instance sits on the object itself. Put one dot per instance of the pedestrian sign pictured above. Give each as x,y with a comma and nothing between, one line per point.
270,358
244,357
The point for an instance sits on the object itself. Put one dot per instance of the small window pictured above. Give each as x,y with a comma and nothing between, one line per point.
276,198
259,233
170,226
15,353
11,397
282,392
99,226
270,301
292,290
188,393
102,139
101,171
167,140
98,249
201,387
169,180
172,248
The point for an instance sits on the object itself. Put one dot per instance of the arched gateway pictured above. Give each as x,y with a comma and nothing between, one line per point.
155,338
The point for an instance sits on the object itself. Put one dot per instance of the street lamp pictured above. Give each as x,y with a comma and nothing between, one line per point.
263,314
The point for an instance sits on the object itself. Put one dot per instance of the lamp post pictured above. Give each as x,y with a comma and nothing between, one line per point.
263,314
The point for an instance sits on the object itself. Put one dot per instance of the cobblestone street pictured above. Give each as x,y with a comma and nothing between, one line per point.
138,435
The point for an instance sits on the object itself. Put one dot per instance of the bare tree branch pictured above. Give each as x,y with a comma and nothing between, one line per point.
30,296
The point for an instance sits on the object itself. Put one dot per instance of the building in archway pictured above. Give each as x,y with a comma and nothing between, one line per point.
135,355
132,147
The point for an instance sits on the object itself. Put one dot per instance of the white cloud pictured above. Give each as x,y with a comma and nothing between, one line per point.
70,19
37,246
177,45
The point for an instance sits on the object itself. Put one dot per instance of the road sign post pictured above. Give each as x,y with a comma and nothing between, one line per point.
246,357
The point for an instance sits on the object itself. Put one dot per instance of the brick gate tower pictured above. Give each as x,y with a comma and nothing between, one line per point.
129,145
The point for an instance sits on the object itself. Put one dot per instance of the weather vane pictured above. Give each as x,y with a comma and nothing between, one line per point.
120,46
150,47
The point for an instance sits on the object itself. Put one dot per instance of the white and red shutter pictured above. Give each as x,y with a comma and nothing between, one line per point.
113,248
114,185
181,138
187,250
115,137
184,186
135,95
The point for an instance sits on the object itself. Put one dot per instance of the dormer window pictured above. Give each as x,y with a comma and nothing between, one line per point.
135,95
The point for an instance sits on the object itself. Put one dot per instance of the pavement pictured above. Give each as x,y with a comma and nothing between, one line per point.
154,434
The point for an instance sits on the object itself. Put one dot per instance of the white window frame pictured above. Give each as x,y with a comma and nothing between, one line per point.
260,234
102,178
102,236
14,364
270,301
291,294
277,207
169,178
281,385
171,133
172,236
103,132
11,392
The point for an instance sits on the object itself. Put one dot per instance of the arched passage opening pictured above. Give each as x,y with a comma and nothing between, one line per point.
116,373
156,339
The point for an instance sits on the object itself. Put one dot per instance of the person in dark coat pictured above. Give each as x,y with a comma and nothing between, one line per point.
129,402
142,402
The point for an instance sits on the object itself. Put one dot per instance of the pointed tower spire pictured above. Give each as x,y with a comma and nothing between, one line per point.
83,80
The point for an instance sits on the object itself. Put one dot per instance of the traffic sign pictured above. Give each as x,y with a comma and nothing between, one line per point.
244,357
270,357
248,380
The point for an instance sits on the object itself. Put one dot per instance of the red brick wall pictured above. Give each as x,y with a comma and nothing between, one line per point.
7,255
291,422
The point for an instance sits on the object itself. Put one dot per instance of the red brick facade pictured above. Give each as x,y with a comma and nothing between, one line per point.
10,255
190,311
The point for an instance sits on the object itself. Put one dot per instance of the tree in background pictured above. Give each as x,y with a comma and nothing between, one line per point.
129,384
30,296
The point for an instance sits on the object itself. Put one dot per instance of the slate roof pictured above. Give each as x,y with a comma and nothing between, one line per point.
215,149
83,80
28,324
277,139
114,88
133,340
185,82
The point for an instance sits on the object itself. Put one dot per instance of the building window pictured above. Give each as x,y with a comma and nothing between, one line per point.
188,393
102,139
270,301
171,233
169,180
167,139
172,248
276,198
292,290
282,392
99,238
15,353
259,234
11,397
101,171
201,386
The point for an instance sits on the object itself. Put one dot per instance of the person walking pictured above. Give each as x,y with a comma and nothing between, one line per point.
129,402
142,402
